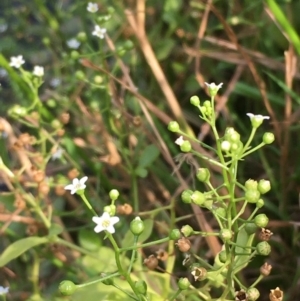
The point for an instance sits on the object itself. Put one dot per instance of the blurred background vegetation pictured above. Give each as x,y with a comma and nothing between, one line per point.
122,91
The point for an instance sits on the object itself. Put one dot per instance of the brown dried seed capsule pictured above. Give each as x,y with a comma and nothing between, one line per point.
60,190
19,203
64,118
241,295
199,273
43,188
276,294
265,269
162,254
38,176
151,262
60,132
73,173
184,244
125,209
265,234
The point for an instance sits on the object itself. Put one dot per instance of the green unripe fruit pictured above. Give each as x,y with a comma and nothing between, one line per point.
67,288
195,101
56,124
114,194
187,230
174,234
221,212
261,220
252,196
251,228
207,104
253,294
141,287
173,126
79,74
263,248
223,256
198,198
128,45
183,284
17,111
110,10
75,55
225,234
203,174
137,226
268,138
81,36
186,146
186,196
46,41
51,103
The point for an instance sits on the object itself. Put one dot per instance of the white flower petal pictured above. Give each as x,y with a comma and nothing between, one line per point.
105,222
179,141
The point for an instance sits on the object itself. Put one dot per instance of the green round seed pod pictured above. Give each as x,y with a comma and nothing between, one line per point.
67,288
253,294
174,234
263,248
261,220
183,284
137,226
173,126
251,228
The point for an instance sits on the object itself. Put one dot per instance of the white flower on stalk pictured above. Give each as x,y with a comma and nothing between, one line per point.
73,43
105,222
3,290
257,117
77,185
16,61
179,141
214,86
92,7
57,155
38,71
99,32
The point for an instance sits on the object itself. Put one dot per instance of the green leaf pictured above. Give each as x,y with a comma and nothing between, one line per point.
89,240
19,247
141,172
148,156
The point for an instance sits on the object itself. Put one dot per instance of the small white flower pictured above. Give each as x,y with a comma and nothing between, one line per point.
257,117
73,43
57,154
99,32
3,290
16,61
105,222
179,141
3,72
38,71
214,86
225,146
92,7
77,185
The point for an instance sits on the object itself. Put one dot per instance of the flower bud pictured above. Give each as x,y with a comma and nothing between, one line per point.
251,228
183,284
173,126
261,220
137,226
111,209
186,196
203,175
151,262
234,137
251,184
276,294
263,248
81,36
213,88
268,138
198,198
187,230
252,196
195,101
225,146
183,244
260,203
225,234
141,287
221,212
186,146
264,186
174,234
265,269
114,194
67,288
253,294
